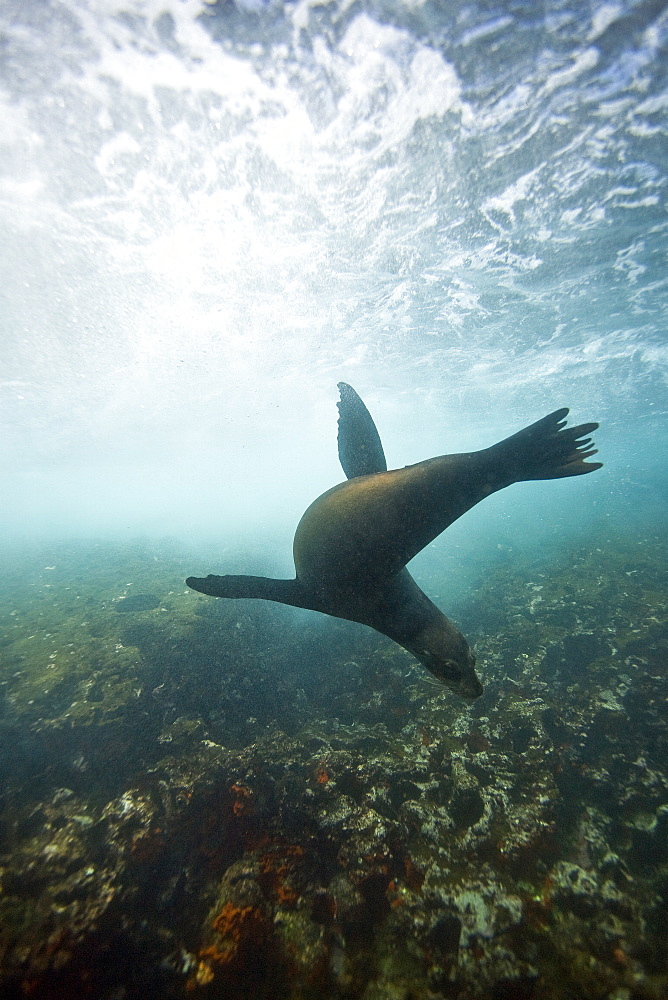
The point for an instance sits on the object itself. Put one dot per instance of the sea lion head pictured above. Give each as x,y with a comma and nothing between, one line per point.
446,653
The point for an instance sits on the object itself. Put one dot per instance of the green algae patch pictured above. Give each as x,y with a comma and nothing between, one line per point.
65,658
70,676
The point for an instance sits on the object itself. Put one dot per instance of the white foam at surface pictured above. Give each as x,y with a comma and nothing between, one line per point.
205,237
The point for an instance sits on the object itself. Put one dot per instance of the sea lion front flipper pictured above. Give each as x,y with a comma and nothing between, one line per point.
260,587
360,450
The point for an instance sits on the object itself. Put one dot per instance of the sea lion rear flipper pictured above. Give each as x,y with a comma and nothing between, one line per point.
360,450
546,449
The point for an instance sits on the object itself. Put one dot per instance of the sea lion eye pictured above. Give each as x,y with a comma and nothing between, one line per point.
452,669
447,670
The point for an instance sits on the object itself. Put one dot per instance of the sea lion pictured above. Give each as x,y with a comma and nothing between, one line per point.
352,544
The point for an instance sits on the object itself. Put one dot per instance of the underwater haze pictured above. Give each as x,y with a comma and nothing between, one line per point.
213,211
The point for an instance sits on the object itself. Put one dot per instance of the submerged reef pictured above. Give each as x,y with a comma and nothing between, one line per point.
245,801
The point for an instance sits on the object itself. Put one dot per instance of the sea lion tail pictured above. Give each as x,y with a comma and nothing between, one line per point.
546,450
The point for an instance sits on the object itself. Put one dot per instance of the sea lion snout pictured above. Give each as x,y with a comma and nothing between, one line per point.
442,649
470,686
457,674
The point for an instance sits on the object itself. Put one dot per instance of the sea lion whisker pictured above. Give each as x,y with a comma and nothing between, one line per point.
432,682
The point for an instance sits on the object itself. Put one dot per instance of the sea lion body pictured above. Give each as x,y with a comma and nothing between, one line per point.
370,527
352,544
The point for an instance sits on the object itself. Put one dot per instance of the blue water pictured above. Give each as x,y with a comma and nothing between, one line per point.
214,212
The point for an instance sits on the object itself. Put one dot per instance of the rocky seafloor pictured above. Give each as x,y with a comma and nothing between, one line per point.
239,800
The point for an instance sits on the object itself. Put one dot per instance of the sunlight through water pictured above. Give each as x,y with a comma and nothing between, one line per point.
213,212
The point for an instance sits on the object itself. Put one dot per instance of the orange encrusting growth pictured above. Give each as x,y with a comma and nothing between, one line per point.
241,930
275,868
